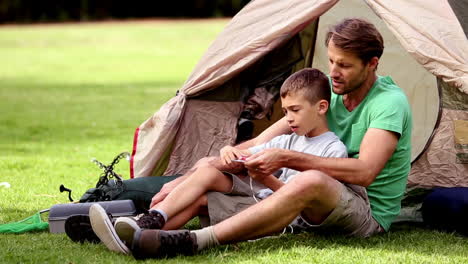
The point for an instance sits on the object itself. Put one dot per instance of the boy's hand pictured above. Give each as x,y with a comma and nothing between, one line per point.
229,153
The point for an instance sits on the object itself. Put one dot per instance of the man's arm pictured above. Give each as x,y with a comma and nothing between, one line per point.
280,127
228,153
376,149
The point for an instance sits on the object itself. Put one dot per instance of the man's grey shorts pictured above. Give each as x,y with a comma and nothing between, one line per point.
352,215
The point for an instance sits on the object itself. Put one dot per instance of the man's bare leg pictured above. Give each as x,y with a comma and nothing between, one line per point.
312,192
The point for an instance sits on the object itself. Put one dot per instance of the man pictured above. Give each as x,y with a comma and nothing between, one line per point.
369,113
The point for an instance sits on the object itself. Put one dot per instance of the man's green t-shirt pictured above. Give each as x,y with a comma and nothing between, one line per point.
385,107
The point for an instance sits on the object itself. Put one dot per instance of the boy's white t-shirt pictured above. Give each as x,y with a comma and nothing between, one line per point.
325,145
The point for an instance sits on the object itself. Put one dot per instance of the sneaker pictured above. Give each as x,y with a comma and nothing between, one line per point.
104,229
125,227
151,220
78,229
150,243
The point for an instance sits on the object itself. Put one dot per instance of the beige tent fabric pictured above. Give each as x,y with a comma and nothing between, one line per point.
427,29
155,135
445,163
206,127
430,31
419,85
252,33
257,29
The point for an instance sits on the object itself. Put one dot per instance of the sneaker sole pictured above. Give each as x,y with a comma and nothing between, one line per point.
125,229
104,229
78,229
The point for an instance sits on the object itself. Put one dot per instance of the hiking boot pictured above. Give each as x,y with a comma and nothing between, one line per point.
104,229
151,220
78,229
152,243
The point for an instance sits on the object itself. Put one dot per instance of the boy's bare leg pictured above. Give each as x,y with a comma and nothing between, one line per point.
209,161
204,179
312,192
197,208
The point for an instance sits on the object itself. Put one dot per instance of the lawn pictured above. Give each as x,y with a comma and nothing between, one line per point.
73,92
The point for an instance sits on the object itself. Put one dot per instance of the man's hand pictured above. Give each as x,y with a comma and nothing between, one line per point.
265,162
229,153
257,175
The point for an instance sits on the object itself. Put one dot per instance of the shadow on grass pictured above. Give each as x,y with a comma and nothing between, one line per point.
33,111
413,240
404,237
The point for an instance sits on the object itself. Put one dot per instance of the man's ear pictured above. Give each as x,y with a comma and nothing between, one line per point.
322,106
373,63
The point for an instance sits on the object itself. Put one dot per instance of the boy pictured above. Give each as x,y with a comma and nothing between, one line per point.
305,97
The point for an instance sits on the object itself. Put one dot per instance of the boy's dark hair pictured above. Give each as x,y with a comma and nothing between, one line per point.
357,36
313,84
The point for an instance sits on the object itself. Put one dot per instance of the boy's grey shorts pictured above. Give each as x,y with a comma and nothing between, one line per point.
352,216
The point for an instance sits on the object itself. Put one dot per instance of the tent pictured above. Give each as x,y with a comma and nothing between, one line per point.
426,53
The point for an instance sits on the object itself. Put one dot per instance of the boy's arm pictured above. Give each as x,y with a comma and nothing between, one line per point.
279,128
270,181
335,150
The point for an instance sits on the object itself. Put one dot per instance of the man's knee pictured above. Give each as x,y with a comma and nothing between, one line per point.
309,184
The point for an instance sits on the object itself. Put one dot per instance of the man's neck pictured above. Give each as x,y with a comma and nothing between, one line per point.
353,99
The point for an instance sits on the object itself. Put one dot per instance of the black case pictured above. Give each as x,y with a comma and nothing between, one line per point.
60,212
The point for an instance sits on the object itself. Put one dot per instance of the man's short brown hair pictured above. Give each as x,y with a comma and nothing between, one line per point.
312,83
357,36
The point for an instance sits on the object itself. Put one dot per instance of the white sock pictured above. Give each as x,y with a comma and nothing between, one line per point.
206,238
161,212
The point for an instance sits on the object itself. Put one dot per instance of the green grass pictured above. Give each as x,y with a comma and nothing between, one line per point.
72,92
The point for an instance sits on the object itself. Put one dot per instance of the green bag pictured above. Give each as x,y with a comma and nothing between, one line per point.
32,223
139,190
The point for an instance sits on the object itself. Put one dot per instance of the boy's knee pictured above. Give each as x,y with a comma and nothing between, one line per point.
206,161
207,168
212,178
206,172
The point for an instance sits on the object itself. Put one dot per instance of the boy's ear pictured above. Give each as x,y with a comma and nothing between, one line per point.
323,107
